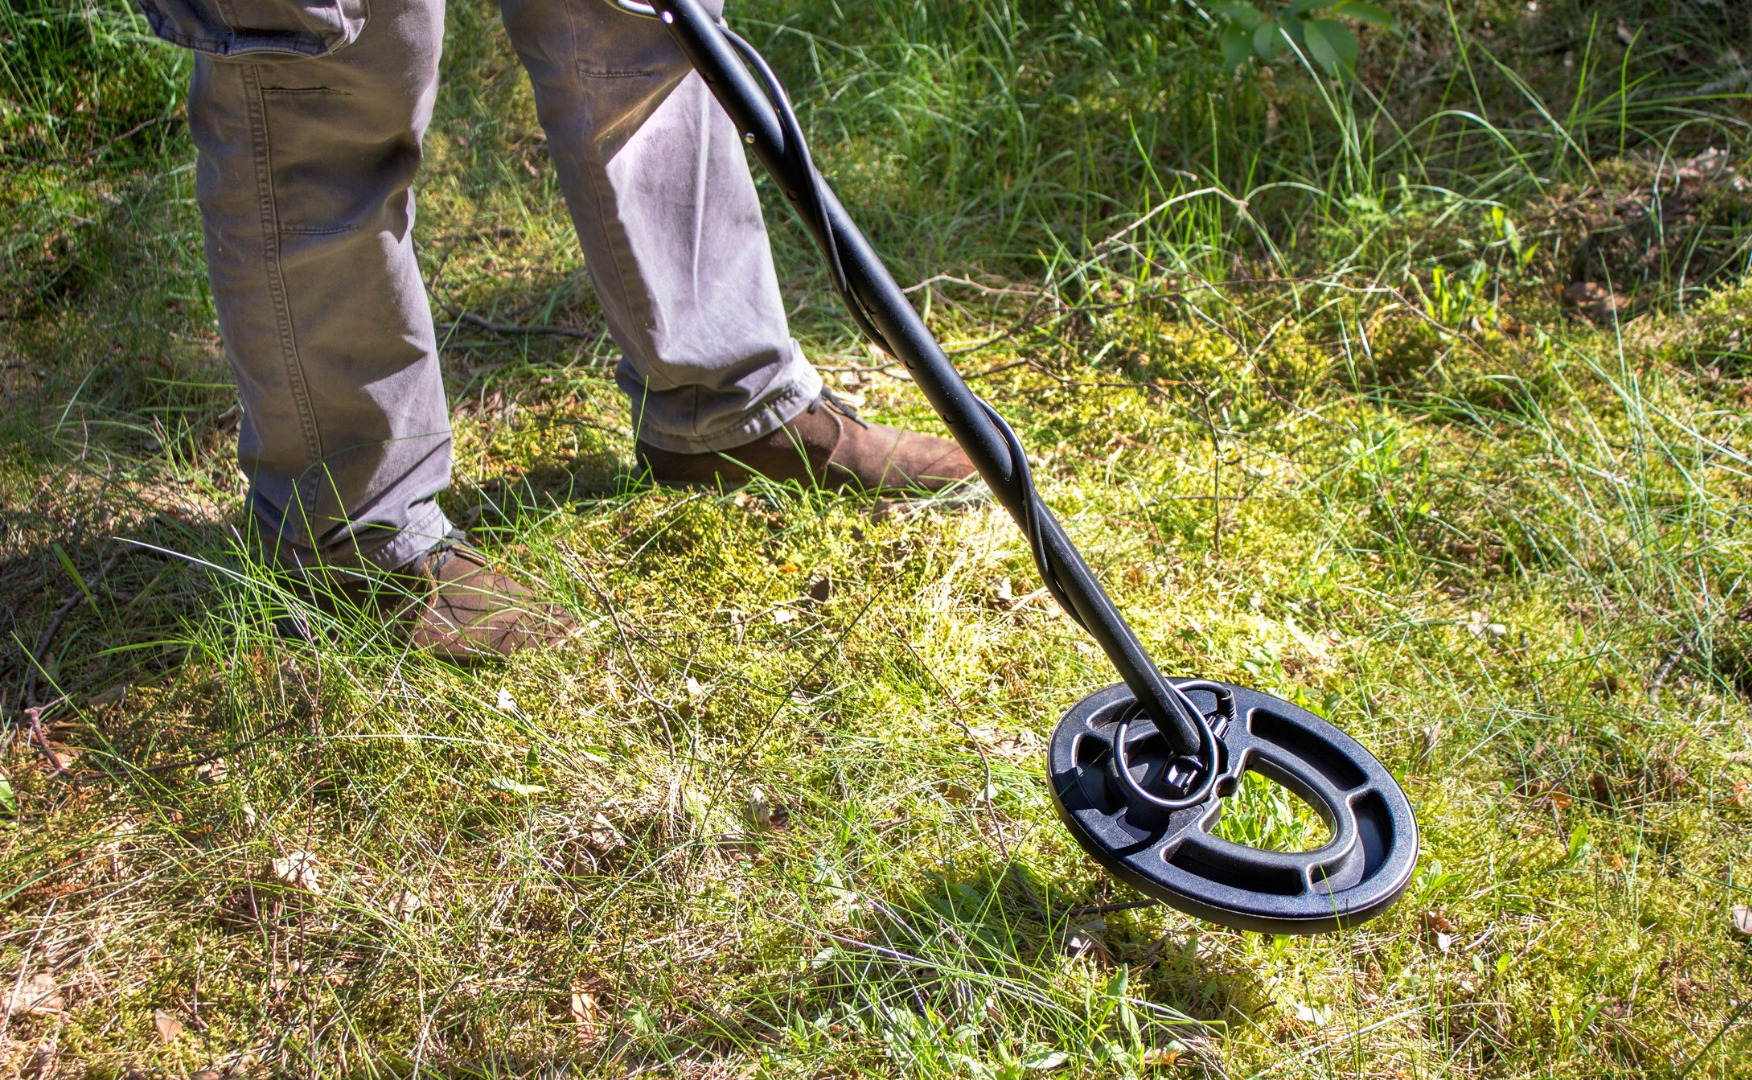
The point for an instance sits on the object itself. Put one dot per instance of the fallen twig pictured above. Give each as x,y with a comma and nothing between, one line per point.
1679,652
1106,909
34,709
513,330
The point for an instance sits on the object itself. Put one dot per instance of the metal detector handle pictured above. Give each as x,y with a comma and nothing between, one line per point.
706,46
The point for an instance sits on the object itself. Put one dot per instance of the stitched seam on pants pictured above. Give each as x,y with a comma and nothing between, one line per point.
613,74
318,230
595,171
595,174
258,122
590,163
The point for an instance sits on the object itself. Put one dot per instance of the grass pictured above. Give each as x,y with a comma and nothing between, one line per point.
1293,363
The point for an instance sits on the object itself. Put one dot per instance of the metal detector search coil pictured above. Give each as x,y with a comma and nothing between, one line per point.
1105,756
1138,770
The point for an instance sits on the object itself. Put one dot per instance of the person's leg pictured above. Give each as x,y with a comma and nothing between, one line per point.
304,183
308,149
655,175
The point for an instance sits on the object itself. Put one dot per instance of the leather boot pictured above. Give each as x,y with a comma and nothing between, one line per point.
450,602
826,445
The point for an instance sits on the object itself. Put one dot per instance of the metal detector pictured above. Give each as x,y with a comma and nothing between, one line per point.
1139,770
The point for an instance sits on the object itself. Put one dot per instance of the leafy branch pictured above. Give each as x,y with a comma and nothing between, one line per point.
1312,26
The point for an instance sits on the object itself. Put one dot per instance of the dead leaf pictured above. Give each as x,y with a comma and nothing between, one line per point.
1594,301
213,771
404,905
108,697
1742,915
759,810
298,869
1480,626
764,813
1311,1015
784,615
1085,940
169,1027
38,994
1439,922
602,835
821,589
1009,745
586,1015
957,793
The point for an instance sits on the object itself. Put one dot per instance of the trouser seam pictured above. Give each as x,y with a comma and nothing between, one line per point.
591,164
277,287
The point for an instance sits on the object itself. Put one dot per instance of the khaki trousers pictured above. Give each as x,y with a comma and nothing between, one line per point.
308,116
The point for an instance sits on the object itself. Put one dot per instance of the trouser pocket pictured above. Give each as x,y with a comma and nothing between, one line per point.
258,28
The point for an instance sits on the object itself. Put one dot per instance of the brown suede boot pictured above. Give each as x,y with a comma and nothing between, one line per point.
826,445
472,612
450,602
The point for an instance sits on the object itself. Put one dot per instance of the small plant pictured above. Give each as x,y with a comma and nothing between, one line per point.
1455,298
1322,39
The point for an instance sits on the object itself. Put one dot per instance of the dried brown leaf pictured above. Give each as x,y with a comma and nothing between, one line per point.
586,1015
405,904
169,1027
37,994
298,870
108,696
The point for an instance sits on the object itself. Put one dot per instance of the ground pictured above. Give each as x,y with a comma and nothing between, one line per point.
1420,398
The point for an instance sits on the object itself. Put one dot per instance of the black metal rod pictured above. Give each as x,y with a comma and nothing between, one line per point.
737,90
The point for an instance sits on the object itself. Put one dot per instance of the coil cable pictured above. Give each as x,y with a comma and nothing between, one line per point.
811,199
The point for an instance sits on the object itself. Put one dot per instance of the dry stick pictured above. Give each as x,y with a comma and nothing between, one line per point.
838,643
511,329
23,966
1103,909
1685,647
124,136
33,709
190,763
1707,1047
